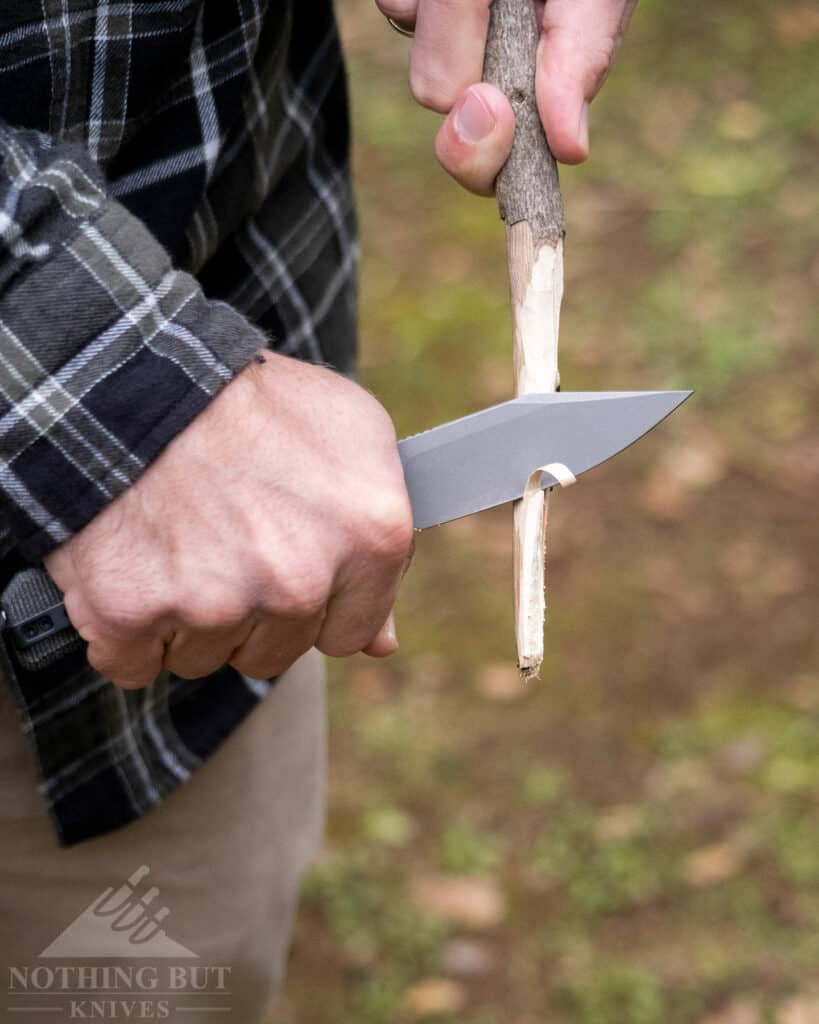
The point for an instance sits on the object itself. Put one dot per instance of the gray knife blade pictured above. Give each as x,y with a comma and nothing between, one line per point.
461,467
485,459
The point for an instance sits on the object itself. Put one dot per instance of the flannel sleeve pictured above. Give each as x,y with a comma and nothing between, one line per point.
106,351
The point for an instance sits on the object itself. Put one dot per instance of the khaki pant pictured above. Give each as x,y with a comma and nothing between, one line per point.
226,852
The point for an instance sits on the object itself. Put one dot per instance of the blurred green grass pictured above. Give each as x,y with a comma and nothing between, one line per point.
640,827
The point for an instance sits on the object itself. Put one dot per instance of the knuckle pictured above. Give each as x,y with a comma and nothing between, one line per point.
431,89
123,617
388,528
297,594
599,61
306,602
207,612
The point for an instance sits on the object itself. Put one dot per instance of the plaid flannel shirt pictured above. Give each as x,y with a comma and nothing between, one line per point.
174,196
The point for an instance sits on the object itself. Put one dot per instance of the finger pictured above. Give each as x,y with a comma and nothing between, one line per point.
360,606
447,51
360,614
274,645
474,140
131,664
577,46
193,654
355,615
129,658
385,641
402,12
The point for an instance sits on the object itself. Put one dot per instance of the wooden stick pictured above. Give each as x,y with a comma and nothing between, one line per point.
530,203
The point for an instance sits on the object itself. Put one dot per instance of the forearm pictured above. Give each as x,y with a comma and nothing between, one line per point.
106,351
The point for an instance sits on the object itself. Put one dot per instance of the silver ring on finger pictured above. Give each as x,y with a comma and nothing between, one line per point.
408,32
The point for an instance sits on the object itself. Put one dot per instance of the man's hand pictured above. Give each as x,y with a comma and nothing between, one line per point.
578,42
277,521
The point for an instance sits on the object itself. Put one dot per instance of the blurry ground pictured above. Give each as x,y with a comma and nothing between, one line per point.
635,838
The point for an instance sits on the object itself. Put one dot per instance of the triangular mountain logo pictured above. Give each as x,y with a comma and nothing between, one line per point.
119,923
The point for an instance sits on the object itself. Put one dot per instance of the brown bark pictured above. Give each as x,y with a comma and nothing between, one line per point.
528,187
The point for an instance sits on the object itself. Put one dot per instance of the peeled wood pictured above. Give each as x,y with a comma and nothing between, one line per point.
530,203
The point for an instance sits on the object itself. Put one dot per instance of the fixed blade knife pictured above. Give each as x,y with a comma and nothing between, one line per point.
470,464
485,459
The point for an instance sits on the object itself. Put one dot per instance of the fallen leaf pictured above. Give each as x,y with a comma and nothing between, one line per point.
798,1010
618,822
434,997
501,681
740,1011
471,902
712,864
700,464
468,957
797,23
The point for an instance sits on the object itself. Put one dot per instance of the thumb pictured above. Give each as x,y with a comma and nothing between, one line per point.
474,140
